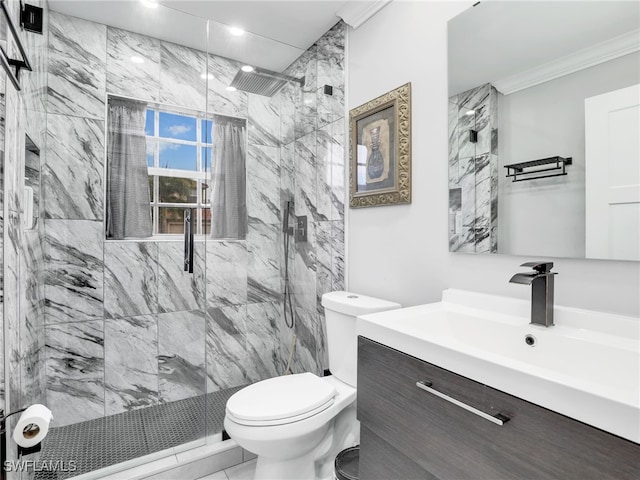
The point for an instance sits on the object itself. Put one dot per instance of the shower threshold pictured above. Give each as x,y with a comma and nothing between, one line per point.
121,441
187,462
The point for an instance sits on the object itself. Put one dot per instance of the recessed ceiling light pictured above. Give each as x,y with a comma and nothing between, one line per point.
206,76
231,89
135,59
149,3
470,112
236,31
247,68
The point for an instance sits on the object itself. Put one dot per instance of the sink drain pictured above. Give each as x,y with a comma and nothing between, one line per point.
530,340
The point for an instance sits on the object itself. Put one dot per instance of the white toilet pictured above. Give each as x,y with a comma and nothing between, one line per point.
297,424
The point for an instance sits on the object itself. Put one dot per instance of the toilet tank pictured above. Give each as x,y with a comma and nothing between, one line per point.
340,311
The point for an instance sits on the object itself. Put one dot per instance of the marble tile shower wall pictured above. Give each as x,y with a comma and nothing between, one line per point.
125,327
22,273
22,264
312,158
473,171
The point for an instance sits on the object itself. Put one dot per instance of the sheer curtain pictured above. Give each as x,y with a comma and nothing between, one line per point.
228,179
128,202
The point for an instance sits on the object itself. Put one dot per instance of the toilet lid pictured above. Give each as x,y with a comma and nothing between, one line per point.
281,398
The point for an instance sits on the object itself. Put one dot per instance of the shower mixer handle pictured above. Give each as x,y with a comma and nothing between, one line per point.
189,214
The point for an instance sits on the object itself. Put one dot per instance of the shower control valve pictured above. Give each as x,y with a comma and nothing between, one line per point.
301,229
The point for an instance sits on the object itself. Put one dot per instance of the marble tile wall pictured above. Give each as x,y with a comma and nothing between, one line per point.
22,274
2,218
473,171
131,363
313,176
77,77
75,369
181,355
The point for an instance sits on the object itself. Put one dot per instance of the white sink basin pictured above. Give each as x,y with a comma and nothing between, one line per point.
587,366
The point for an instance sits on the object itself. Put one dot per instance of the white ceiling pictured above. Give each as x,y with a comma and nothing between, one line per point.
498,39
279,30
296,23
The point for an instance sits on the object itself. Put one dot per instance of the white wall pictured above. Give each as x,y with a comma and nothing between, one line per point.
401,252
547,217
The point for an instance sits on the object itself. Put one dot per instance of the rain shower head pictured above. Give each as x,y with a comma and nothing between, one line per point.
262,82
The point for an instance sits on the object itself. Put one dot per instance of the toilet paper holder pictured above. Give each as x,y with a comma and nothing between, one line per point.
3,440
3,419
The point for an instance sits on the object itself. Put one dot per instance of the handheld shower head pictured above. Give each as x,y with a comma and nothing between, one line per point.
289,318
285,220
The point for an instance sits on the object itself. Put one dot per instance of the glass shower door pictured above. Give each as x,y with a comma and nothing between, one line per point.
244,254
122,324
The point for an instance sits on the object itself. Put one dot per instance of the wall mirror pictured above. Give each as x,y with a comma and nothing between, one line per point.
544,129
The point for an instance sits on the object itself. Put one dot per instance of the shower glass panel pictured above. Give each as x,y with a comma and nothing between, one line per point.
244,252
136,357
124,324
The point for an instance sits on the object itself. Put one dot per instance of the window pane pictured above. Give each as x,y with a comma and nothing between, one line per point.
206,158
177,190
177,126
150,147
170,220
206,131
182,157
148,127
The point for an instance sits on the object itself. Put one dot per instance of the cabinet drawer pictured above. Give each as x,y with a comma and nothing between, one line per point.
441,437
451,442
380,461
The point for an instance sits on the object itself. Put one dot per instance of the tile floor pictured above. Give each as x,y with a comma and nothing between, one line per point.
106,441
244,471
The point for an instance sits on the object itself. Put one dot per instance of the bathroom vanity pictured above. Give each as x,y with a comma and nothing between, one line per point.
420,420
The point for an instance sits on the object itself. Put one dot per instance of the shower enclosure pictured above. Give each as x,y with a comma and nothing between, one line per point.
134,355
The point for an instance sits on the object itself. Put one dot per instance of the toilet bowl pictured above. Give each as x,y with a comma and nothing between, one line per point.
297,424
290,441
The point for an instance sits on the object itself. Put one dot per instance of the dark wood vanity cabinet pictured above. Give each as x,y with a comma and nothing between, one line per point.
410,433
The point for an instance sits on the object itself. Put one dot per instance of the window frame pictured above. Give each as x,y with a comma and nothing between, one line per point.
200,175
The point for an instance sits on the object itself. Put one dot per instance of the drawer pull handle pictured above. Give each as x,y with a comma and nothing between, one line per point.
498,419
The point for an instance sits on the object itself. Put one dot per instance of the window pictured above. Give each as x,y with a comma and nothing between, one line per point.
179,157
159,163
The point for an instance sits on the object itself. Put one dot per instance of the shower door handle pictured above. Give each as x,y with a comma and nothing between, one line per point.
189,216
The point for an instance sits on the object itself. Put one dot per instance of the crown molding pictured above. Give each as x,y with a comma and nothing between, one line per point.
355,13
602,52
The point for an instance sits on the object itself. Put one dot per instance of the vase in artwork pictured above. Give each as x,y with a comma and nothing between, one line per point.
375,162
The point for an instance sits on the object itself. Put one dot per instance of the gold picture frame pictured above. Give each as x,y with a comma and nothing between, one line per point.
380,150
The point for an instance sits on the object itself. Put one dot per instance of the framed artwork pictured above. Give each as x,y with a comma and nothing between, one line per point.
380,150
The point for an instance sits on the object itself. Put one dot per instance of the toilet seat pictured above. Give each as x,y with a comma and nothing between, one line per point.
282,421
281,400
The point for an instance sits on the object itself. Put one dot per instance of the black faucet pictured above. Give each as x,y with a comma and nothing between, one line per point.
541,281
